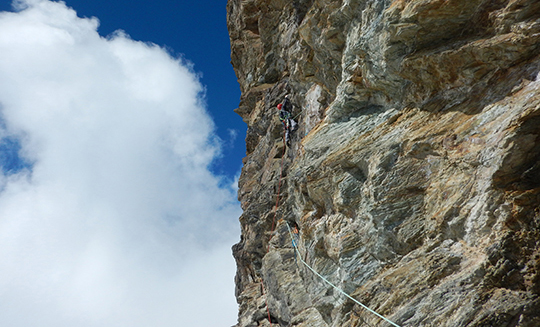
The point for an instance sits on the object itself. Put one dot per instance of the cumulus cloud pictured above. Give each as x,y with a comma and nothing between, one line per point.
116,220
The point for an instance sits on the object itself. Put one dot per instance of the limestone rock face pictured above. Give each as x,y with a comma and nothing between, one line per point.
414,175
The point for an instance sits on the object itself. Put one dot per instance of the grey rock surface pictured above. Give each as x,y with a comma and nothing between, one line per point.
414,176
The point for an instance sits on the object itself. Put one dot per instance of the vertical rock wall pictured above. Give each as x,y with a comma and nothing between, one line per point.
414,177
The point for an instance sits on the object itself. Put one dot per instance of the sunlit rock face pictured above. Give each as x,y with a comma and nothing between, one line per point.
414,176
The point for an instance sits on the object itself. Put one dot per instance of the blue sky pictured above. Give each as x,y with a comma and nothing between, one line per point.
196,30
117,198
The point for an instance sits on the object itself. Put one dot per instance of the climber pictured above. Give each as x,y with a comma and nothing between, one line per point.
285,116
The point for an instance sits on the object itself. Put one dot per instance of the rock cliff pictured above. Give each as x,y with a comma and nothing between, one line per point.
414,175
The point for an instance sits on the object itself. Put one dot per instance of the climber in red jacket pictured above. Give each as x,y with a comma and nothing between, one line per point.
285,116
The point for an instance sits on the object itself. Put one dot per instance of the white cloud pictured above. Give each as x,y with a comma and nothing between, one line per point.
233,135
119,222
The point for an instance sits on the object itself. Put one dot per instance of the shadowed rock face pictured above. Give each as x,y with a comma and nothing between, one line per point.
414,176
